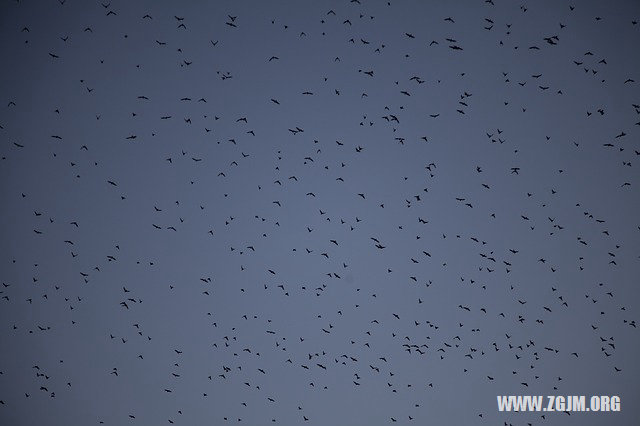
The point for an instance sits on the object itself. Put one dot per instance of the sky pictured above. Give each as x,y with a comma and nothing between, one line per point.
317,212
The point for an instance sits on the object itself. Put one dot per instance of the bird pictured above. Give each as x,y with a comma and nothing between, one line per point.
360,205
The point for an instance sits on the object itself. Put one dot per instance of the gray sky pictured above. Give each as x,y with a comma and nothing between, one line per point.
427,204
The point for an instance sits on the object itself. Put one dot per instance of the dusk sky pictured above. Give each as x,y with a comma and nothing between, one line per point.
318,212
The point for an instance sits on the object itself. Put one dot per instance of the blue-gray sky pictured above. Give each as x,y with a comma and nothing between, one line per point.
307,212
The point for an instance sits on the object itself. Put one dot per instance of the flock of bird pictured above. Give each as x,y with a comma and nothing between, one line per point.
347,212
